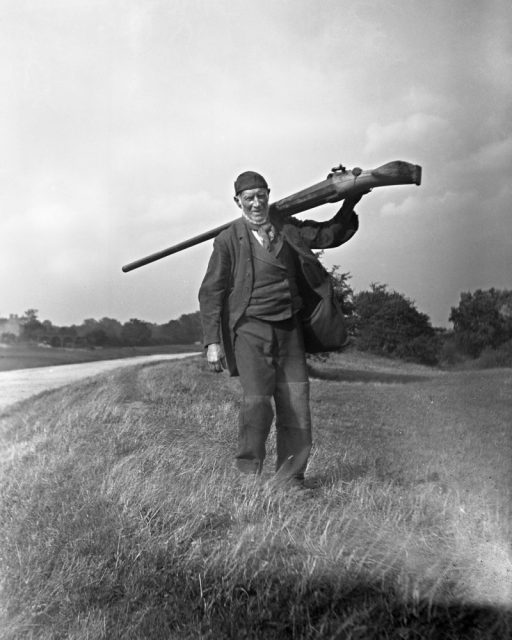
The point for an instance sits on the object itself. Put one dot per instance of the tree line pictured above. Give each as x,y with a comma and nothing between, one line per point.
380,321
106,332
388,323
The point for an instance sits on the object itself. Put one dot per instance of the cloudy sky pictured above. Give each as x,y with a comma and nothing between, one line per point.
123,124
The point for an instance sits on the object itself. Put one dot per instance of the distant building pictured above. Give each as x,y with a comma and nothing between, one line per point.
13,325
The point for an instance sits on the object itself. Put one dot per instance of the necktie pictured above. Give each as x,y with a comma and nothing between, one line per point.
266,233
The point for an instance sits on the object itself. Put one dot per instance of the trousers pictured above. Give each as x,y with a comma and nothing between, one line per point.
271,364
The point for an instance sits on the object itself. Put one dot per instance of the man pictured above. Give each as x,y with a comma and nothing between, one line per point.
263,281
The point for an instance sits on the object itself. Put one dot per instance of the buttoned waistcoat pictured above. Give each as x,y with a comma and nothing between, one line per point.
227,286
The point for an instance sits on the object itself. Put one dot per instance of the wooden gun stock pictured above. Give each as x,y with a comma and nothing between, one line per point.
339,184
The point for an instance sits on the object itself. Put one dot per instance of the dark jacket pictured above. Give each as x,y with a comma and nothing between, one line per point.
226,288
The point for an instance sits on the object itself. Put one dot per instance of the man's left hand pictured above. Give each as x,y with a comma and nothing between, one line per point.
350,202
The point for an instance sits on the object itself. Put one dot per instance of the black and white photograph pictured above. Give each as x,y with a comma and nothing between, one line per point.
255,320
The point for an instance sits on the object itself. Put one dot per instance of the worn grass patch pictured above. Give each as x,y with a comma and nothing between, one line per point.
122,515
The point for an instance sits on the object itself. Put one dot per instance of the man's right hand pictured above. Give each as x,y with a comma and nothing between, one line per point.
216,357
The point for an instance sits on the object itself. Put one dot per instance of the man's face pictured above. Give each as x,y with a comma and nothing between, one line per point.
254,204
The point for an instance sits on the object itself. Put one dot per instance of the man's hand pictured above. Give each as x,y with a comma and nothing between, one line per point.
216,357
350,202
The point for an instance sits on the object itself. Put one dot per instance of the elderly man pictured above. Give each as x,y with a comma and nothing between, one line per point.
262,284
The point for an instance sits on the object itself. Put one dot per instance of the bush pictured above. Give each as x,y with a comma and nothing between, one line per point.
482,319
491,358
423,349
449,352
388,323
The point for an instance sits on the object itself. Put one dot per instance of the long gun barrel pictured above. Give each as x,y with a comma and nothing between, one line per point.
339,184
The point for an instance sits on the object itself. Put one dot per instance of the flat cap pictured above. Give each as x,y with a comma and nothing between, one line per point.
250,180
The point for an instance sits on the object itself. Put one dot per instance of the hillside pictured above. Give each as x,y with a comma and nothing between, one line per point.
122,515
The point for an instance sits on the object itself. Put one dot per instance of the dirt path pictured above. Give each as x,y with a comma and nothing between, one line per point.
22,383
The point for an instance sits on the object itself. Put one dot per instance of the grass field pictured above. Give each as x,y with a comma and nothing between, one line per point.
122,516
29,356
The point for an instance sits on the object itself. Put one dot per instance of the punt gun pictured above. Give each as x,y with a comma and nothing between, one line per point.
339,184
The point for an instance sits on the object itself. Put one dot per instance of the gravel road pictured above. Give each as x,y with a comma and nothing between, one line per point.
22,383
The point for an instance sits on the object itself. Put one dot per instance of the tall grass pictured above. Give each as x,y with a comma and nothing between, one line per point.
122,515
